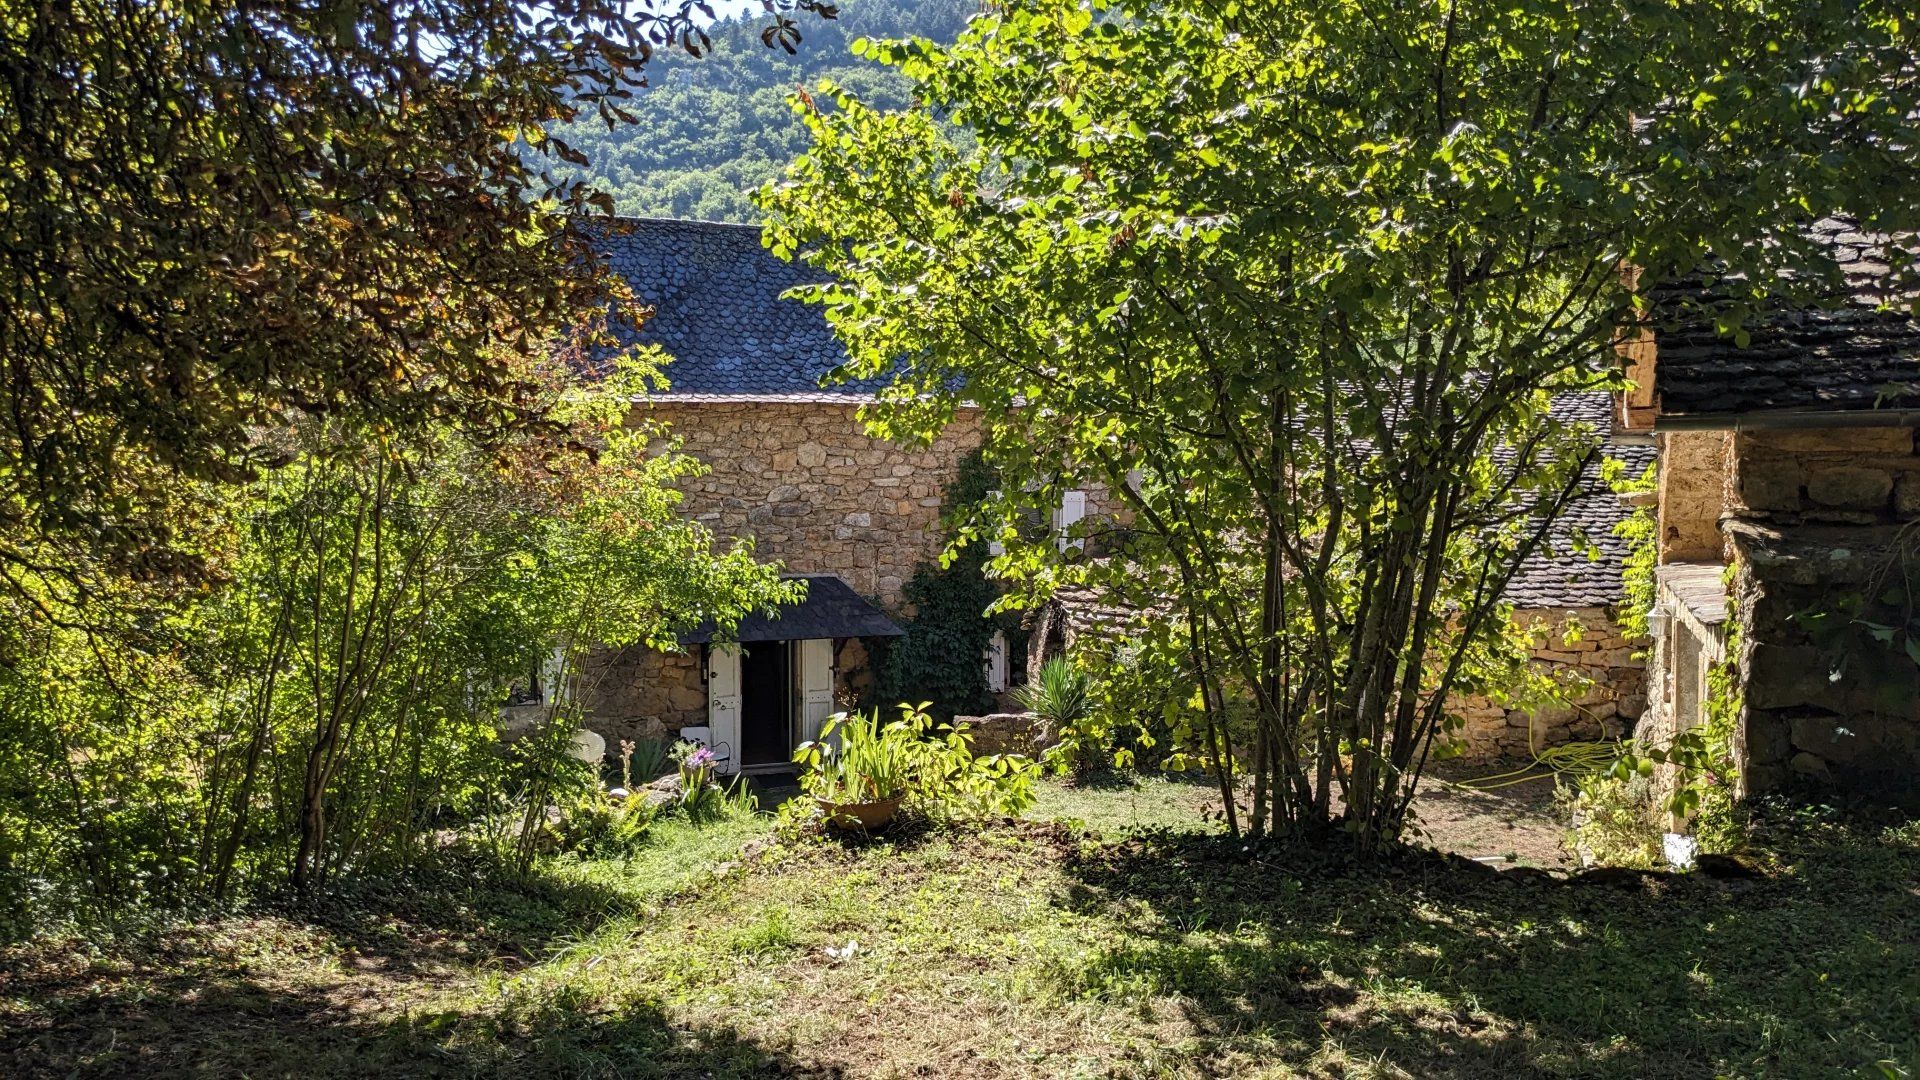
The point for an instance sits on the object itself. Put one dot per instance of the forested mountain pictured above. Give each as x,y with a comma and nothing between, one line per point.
714,129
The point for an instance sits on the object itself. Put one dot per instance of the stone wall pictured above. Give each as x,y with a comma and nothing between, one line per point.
1005,733
1827,713
817,494
1849,476
1693,495
1817,515
1609,680
815,491
638,693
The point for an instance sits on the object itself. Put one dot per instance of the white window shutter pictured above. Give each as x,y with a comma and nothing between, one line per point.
1073,507
723,703
553,670
815,658
996,662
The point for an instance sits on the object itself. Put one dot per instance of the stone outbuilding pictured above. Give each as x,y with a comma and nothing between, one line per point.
1601,670
1788,501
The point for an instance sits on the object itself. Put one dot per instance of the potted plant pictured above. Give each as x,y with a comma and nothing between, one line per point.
859,770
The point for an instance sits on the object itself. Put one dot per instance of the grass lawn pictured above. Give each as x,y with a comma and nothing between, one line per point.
1115,933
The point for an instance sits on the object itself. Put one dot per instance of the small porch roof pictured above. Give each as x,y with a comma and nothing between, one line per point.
831,609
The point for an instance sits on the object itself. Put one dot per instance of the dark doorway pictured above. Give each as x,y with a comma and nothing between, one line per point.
766,704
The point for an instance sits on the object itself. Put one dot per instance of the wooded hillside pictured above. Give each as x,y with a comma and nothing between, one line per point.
713,129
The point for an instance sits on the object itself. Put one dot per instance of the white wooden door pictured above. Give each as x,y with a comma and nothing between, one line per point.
814,657
723,704
1073,507
996,662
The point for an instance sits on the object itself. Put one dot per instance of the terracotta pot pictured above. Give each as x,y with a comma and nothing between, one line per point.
861,815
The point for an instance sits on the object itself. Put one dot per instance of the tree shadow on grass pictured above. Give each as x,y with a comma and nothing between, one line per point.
457,913
1109,779
211,1024
1447,969
347,986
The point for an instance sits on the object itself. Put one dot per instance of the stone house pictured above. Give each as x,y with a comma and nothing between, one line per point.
1787,503
792,467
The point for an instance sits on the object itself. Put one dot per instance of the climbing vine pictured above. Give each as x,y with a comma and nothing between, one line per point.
1708,785
1704,757
1641,531
940,660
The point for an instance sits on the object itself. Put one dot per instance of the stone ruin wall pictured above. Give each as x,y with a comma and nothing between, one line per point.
1814,513
1604,661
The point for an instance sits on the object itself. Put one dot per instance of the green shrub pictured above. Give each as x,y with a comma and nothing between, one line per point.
858,759
1061,701
1616,822
1059,698
604,826
1138,713
700,798
644,761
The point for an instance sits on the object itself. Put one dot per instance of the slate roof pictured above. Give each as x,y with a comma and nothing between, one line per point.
1838,357
716,294
1569,579
831,609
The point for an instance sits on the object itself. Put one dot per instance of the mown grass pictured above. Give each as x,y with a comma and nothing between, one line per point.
1098,947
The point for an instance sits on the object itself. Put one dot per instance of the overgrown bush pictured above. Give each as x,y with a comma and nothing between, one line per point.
1136,712
941,660
1615,820
931,767
330,708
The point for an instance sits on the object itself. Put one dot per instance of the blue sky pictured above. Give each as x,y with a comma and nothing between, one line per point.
728,8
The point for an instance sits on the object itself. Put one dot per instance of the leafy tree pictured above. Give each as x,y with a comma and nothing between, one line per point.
334,698
1295,280
216,216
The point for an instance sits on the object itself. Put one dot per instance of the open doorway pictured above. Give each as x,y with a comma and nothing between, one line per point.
766,704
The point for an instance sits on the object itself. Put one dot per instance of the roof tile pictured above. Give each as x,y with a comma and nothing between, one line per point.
719,312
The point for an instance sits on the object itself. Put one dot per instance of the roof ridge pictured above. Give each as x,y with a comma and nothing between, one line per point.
645,219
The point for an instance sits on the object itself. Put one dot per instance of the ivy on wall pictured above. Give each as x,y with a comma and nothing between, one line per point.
941,658
1641,531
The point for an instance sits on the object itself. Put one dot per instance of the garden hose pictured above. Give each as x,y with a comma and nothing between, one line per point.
1573,758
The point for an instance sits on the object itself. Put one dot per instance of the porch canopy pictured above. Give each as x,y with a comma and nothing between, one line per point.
831,610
